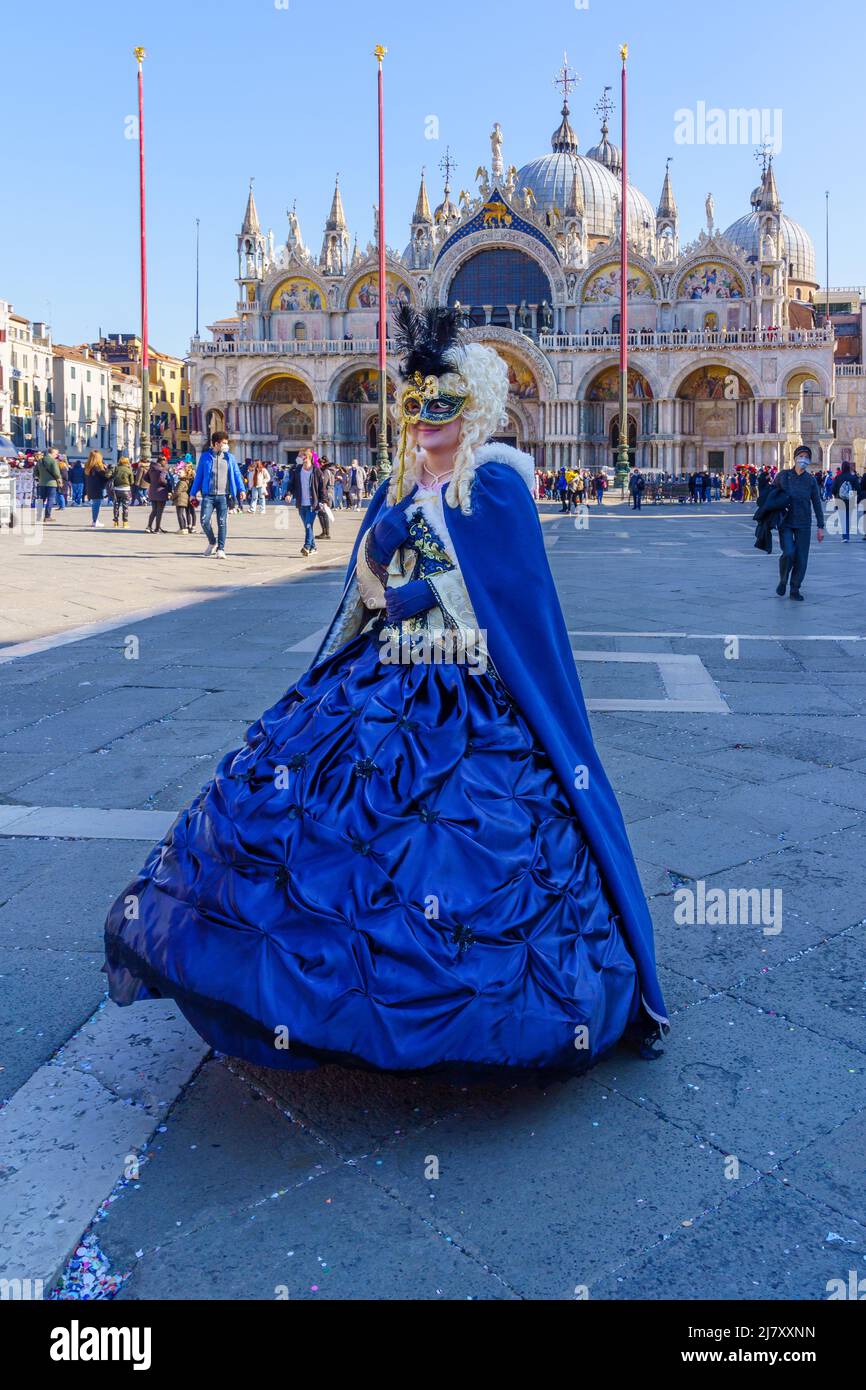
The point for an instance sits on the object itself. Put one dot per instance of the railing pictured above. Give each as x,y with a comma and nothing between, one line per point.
551,342
312,347
677,338
850,369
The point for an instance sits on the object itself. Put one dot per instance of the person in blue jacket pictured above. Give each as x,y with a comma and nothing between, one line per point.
416,861
217,478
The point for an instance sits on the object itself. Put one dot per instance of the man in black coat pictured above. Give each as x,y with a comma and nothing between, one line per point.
795,528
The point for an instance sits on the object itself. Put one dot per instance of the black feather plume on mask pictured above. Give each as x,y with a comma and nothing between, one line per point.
427,341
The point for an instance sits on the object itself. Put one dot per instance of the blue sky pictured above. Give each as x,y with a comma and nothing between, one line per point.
285,90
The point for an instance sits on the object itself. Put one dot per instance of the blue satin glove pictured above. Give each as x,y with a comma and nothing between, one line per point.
409,600
390,531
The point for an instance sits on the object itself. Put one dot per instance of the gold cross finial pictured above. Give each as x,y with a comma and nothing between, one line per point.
566,78
604,107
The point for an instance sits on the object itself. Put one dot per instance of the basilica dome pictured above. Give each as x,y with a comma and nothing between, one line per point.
796,242
552,177
798,247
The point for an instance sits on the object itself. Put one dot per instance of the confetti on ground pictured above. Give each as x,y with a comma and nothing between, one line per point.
88,1275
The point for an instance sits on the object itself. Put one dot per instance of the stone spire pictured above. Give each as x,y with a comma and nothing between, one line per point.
253,257
667,207
770,200
423,215
574,204
295,240
667,221
251,225
334,259
337,220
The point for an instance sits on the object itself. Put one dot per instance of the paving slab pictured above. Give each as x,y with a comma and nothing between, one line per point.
824,989
555,1190
738,1077
764,1242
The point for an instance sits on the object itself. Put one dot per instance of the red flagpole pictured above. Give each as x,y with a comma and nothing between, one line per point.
140,55
622,452
384,462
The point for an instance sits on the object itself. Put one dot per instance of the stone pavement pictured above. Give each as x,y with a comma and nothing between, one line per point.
731,723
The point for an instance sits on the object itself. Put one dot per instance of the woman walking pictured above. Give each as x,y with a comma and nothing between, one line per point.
95,485
259,481
123,484
158,493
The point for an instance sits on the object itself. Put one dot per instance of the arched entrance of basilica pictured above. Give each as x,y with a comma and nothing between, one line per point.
614,441
716,415
284,414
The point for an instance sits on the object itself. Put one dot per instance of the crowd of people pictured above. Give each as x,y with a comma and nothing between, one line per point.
574,488
50,483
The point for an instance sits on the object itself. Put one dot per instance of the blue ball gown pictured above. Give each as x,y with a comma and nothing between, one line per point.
393,871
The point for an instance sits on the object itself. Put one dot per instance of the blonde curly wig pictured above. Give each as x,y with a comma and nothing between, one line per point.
481,374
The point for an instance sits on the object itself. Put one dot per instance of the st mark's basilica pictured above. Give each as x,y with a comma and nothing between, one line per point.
730,360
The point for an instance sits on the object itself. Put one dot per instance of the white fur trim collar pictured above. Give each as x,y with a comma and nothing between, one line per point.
523,464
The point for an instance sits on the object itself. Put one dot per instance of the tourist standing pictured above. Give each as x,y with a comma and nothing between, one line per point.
355,485
636,485
562,489
180,498
339,488
95,486
76,480
845,489
795,528
48,480
139,478
600,486
158,493
217,479
326,515
122,487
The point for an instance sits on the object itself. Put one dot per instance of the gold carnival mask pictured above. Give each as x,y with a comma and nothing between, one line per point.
424,403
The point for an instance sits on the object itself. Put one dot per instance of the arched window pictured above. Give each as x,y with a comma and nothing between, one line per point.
614,323
500,277
299,332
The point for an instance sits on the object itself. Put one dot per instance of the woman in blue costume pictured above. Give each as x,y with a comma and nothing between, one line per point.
416,860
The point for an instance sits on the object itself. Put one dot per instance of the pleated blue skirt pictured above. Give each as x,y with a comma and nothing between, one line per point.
386,875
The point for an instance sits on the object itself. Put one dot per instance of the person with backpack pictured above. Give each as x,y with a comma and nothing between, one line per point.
845,491
123,480
48,480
